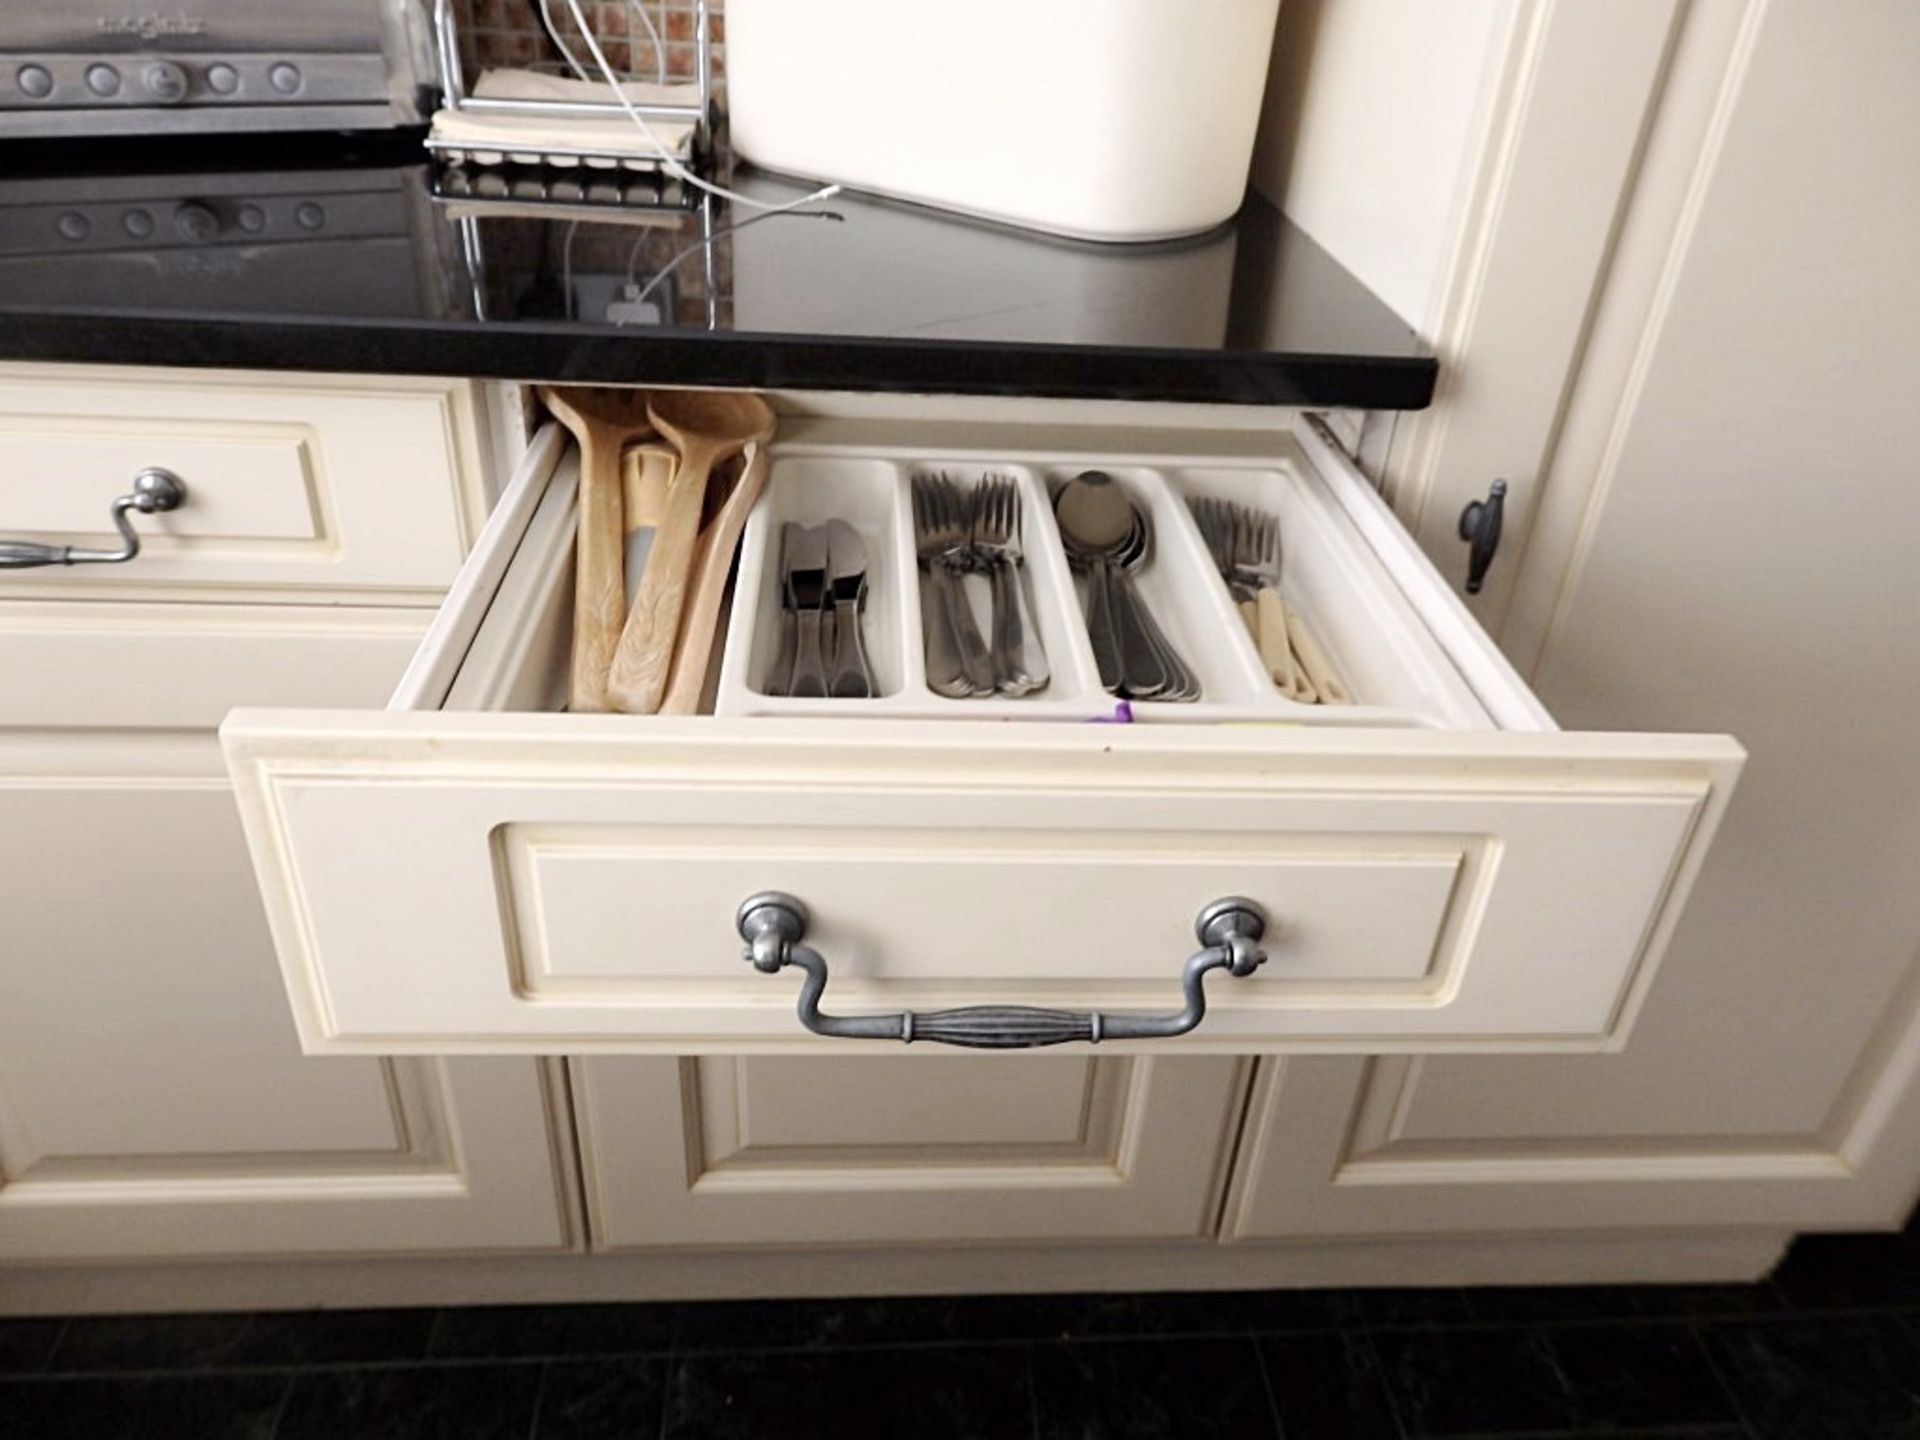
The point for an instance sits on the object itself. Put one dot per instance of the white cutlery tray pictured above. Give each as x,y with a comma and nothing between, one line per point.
1396,672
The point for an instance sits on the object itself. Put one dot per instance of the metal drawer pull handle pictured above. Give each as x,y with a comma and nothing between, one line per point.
153,489
773,925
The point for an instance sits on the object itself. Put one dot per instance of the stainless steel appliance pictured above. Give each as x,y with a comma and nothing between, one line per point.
200,66
360,241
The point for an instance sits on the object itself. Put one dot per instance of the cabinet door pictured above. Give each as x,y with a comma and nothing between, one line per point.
781,1151
153,1097
1741,552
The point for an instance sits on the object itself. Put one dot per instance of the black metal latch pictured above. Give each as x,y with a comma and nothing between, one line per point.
1480,528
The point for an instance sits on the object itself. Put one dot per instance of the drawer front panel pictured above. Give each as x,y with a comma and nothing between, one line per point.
312,485
184,666
932,1150
569,882
250,484
895,909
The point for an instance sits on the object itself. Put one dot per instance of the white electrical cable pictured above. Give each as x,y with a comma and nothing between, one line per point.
553,34
667,161
573,63
653,36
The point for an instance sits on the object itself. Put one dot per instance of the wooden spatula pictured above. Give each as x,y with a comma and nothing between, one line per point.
604,420
706,427
713,557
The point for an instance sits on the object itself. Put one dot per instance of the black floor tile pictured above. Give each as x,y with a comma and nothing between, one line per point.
1580,1379
1328,1387
588,1399
331,1337
933,1394
1396,1309
739,1325
1704,1301
1463,1382
953,1319
148,1342
1095,1389
826,1324
1822,1378
1259,1311
499,1331
1847,1271
449,1402
154,1407
1522,1304
27,1345
237,1340
1635,1377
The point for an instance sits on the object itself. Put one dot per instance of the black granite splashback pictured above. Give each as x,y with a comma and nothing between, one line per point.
308,254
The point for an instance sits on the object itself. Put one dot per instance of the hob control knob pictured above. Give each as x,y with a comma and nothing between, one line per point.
165,82
284,77
222,78
35,81
194,221
103,80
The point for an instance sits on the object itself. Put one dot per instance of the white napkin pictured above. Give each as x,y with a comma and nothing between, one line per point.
534,135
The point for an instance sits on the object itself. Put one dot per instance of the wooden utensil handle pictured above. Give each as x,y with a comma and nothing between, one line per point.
599,593
643,660
1275,653
713,557
1332,690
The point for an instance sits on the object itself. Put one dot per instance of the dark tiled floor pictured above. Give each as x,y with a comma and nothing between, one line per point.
1830,1347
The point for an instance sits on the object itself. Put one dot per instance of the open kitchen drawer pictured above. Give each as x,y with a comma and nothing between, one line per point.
471,872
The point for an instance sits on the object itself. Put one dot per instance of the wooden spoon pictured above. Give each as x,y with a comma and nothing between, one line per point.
604,420
706,427
645,471
713,557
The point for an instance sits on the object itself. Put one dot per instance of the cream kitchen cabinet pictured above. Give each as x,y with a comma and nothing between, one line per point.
1714,487
1657,226
779,1152
153,1099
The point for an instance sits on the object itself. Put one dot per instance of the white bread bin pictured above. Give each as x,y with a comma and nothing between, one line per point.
1103,119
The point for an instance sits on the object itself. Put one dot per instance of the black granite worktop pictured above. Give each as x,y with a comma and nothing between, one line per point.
336,254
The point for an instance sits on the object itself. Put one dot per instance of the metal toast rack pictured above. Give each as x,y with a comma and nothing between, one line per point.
601,198
473,172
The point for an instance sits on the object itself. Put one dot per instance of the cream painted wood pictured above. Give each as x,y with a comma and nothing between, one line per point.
132,665
1571,92
1372,114
153,1100
1730,503
552,881
298,486
1470,163
785,1153
701,1274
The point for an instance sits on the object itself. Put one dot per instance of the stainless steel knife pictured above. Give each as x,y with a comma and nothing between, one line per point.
848,675
806,587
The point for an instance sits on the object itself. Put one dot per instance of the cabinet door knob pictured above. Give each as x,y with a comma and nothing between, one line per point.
1480,528
154,489
774,925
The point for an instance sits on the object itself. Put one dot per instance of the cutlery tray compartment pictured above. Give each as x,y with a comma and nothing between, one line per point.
1398,676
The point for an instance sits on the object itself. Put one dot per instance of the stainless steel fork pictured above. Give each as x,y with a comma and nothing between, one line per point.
958,665
1256,562
1019,659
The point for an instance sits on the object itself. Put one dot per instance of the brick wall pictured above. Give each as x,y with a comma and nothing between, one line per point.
507,32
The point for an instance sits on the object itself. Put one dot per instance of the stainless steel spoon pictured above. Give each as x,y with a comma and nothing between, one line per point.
1105,534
